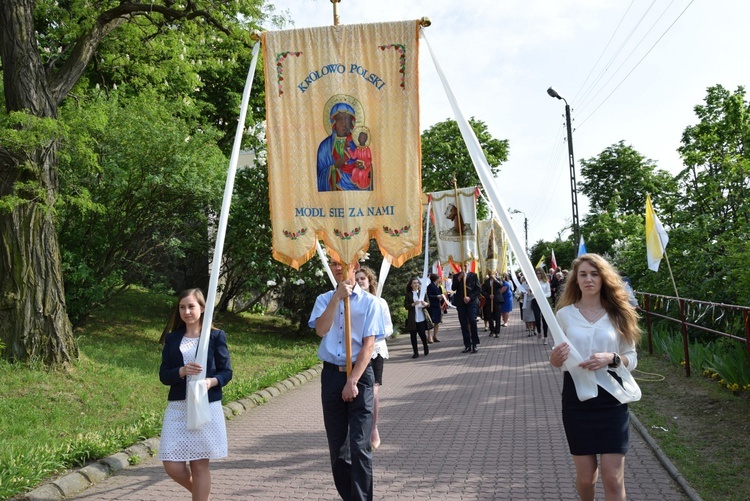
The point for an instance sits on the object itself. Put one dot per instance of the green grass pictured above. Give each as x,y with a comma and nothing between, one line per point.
111,397
707,433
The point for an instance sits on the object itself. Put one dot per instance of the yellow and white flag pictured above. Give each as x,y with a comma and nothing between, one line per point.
656,237
344,153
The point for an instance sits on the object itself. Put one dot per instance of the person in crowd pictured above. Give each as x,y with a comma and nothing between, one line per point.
448,290
185,453
416,322
493,290
554,286
368,282
437,302
467,306
595,315
347,399
527,313
539,320
507,306
560,285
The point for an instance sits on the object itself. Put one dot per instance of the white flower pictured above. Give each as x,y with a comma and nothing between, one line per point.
271,283
319,273
300,282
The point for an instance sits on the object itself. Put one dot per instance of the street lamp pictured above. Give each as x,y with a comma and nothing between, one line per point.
573,191
525,228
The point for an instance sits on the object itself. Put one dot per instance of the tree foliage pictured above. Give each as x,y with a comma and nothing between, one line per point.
47,49
445,156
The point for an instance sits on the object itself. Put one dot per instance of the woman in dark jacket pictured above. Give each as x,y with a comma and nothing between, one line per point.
436,299
415,321
180,445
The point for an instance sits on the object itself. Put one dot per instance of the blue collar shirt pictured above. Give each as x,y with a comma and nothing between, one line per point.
366,320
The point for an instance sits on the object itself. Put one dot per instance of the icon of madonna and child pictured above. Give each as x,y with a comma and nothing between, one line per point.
344,157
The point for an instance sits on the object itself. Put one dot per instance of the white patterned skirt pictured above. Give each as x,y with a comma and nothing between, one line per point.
180,444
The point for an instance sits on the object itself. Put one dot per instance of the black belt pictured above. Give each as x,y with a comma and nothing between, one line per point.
340,368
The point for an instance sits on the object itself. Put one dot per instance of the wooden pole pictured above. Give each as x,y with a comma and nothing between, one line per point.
681,304
460,231
336,18
347,327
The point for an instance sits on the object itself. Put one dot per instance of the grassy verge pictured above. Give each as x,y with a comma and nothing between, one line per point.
111,397
703,428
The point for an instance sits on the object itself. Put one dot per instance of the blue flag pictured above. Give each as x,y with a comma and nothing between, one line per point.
581,247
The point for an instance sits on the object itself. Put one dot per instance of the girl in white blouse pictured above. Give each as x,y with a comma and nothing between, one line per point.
594,313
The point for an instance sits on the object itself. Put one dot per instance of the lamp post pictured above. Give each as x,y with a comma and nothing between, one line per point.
525,228
573,190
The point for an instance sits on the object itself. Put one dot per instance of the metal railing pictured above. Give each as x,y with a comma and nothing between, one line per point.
692,311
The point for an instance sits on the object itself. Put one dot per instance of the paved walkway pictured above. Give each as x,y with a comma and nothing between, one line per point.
454,427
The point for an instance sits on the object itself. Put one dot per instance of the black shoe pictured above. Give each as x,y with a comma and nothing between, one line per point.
466,350
416,355
474,350
426,351
497,334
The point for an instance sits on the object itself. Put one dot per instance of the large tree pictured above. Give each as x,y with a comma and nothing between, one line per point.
619,178
46,47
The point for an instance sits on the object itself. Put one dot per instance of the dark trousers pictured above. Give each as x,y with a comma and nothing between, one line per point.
467,318
421,330
538,318
494,318
348,427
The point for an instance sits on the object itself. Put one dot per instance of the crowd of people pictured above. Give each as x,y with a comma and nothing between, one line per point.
595,301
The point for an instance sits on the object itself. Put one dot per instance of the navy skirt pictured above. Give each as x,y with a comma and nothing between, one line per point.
600,425
436,313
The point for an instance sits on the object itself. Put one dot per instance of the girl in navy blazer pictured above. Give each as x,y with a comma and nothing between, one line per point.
180,446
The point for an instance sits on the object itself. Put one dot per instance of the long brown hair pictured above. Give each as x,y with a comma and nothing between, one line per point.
175,320
370,274
613,296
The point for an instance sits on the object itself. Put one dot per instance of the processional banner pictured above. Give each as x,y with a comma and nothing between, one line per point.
454,214
492,244
344,153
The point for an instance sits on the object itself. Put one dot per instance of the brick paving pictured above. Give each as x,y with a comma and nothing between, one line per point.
484,426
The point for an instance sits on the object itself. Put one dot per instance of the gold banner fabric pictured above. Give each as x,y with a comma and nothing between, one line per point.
454,214
344,153
493,245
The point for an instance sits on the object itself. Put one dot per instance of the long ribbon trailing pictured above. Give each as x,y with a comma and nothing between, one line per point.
425,279
202,353
585,381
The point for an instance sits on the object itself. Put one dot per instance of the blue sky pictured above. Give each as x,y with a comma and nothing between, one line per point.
631,70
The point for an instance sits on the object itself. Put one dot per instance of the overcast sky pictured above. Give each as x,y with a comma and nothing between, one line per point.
630,70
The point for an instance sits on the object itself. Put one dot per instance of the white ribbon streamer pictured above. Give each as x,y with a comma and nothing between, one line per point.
585,381
202,354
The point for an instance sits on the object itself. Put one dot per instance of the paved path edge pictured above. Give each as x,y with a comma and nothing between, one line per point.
664,460
75,482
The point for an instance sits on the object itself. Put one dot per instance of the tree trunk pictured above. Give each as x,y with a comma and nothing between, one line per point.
34,324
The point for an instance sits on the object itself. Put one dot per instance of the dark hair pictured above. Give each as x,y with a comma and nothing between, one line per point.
408,284
434,277
175,321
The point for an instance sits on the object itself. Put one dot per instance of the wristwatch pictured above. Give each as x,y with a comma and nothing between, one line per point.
615,361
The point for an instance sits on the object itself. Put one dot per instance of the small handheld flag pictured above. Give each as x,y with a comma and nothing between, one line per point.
553,261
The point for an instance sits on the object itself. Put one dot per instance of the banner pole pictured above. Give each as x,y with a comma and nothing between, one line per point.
460,231
347,328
